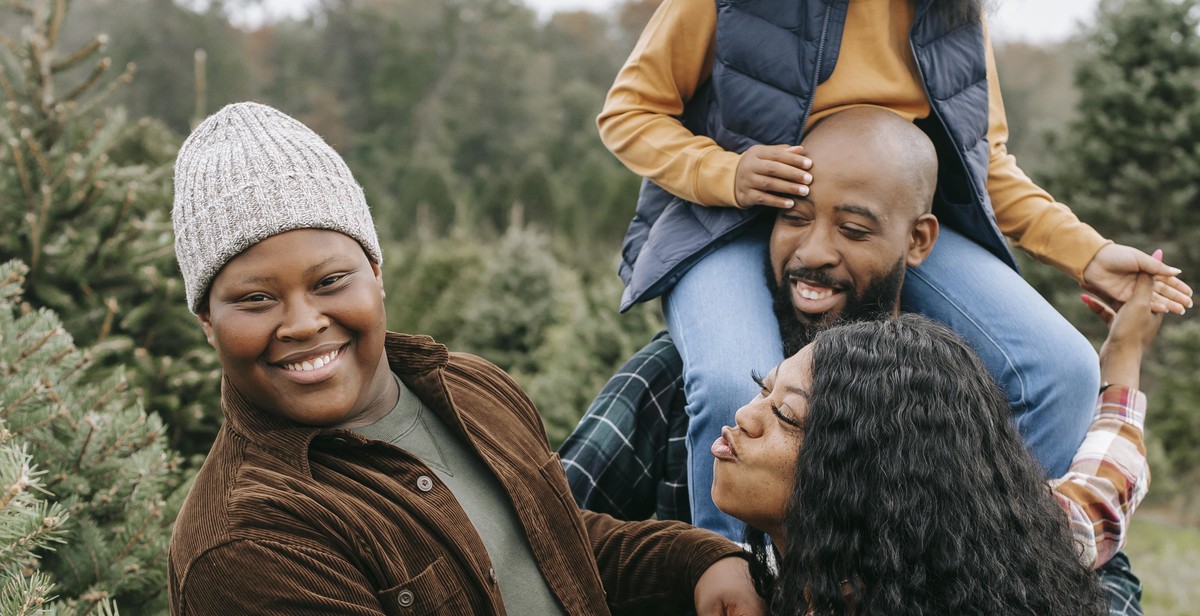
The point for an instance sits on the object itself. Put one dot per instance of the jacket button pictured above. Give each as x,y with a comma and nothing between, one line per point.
492,576
424,483
405,598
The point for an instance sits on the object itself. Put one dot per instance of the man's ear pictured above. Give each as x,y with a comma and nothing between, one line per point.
920,242
206,325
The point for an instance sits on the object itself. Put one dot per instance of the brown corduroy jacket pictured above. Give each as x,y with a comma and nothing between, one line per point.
290,519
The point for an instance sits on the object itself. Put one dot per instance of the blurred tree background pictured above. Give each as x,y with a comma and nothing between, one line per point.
470,124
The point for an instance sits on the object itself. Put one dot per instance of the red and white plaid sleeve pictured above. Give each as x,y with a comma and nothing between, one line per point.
1108,477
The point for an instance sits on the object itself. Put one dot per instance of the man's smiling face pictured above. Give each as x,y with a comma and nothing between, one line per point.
841,252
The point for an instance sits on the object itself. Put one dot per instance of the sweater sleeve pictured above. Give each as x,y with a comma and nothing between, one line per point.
1025,212
652,567
1108,477
266,577
640,122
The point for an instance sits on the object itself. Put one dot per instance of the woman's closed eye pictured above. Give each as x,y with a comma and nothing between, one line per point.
786,417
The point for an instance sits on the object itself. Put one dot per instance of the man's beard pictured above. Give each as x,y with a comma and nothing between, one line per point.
877,301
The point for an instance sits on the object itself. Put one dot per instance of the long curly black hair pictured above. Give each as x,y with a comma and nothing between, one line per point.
914,494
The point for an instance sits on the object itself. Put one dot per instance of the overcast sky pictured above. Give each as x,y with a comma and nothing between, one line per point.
1032,20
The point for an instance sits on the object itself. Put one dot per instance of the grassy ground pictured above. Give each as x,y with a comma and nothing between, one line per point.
1166,556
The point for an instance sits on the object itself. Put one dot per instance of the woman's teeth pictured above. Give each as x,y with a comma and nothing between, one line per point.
313,364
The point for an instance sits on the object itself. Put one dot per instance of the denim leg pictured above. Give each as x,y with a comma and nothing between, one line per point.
1121,587
719,315
1048,370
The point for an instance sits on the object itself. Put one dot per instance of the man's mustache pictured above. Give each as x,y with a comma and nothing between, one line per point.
819,277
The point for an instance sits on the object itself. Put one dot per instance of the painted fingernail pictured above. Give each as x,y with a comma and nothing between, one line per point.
1157,254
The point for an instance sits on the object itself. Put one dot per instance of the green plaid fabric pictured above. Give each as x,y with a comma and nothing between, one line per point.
627,457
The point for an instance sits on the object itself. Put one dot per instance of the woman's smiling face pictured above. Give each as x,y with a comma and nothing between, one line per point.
298,323
754,474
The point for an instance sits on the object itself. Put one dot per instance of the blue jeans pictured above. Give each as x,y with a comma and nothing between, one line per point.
1048,370
719,315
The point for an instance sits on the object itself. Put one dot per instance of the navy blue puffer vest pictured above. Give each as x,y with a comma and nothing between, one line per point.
770,56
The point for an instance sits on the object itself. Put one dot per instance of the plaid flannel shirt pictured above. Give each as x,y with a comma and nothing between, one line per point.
1108,476
627,456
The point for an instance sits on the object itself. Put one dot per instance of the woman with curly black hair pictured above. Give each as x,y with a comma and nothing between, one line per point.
882,463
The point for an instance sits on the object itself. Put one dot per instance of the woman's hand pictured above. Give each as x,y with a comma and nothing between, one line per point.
1131,329
767,173
1112,272
725,589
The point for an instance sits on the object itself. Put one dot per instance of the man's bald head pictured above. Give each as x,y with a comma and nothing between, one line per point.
875,139
841,252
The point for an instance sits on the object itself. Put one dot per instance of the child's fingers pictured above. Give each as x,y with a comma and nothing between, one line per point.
803,162
782,171
785,156
758,197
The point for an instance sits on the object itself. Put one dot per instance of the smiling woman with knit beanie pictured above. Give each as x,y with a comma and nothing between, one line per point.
361,471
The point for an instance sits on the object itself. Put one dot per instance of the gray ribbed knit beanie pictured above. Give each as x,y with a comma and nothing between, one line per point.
249,172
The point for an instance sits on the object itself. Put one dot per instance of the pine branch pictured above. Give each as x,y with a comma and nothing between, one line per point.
110,305
39,67
87,440
21,400
17,488
119,387
9,91
85,51
122,439
154,515
47,530
22,169
101,67
15,277
49,419
56,20
21,6
35,149
86,108
57,331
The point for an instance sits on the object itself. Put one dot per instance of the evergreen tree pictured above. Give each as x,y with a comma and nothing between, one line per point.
522,302
29,524
1128,165
86,199
104,467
